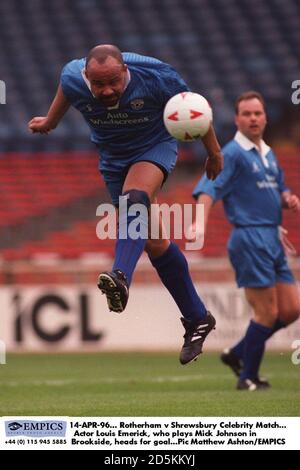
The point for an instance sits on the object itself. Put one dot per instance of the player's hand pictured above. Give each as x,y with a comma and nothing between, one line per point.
40,125
214,165
288,247
292,202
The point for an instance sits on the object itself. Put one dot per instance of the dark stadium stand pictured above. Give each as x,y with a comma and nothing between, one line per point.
221,47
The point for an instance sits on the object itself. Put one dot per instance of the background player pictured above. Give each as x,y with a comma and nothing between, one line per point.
253,191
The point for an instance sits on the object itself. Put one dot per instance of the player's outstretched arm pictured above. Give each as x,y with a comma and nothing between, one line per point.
215,161
45,124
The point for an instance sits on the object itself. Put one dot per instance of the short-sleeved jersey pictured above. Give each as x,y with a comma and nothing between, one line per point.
249,185
136,124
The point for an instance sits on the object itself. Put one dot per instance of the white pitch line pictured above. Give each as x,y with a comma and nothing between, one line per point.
111,380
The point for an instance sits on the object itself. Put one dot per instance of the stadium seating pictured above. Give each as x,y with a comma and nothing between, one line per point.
48,206
221,47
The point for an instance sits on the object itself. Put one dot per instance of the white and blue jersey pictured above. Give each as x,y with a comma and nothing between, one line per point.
250,186
126,132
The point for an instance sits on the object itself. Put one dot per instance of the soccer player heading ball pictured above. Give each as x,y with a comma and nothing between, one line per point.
122,98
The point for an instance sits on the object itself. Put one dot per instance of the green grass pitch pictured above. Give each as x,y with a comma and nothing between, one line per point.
141,384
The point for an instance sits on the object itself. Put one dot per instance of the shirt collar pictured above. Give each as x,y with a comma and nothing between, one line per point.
247,144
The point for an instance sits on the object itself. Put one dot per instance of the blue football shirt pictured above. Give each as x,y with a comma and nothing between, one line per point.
136,125
250,184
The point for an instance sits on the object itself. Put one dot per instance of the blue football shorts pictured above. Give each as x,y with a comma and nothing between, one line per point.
163,155
257,256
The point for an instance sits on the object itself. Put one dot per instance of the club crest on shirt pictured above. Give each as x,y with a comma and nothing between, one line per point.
137,104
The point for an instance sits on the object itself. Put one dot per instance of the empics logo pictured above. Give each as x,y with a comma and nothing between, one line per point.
14,426
35,428
2,92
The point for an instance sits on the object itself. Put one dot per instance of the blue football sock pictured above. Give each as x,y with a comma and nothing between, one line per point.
173,271
238,349
254,346
129,246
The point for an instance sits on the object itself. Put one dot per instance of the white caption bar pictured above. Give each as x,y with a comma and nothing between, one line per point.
130,433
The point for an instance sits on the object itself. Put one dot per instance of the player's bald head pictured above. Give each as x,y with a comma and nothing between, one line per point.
104,51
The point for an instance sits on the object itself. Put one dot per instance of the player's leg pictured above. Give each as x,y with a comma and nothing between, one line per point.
156,245
253,263
234,357
115,288
288,304
287,292
172,268
264,304
141,184
245,358
263,301
287,299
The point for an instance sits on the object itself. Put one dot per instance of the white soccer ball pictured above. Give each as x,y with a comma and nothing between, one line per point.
187,116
